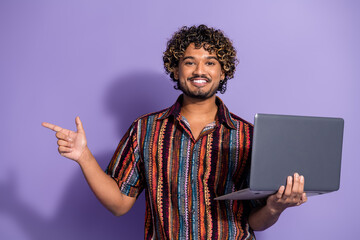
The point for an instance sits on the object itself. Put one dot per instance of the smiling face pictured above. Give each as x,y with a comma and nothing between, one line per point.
199,73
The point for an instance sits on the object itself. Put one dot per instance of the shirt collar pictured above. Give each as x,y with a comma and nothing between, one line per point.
223,114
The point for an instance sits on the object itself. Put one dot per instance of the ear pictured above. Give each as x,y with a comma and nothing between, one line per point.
222,75
176,73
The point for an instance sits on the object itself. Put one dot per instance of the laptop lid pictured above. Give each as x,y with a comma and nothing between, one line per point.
283,145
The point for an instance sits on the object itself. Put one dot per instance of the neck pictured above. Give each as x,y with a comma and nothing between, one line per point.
200,109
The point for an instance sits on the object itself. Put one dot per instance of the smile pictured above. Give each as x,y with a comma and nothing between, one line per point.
199,81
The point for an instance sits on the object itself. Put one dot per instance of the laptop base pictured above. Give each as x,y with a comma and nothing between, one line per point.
245,194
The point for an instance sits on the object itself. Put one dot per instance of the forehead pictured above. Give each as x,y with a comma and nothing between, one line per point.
192,51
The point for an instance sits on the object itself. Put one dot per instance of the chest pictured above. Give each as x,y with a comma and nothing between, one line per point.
175,162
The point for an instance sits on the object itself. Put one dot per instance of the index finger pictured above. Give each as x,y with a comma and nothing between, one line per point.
53,127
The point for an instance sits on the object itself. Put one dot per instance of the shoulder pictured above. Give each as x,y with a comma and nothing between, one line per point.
144,123
151,116
236,118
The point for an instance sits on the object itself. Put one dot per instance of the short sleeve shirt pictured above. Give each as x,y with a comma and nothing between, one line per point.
182,175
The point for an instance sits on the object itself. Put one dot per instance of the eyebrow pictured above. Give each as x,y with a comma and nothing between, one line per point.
209,57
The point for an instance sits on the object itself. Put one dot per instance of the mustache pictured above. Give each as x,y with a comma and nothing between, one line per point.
199,76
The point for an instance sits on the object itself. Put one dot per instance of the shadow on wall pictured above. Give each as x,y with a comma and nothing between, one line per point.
136,94
80,215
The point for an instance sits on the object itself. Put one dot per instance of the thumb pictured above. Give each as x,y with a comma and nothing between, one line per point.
79,126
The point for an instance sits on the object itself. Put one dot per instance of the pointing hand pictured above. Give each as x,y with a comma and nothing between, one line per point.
71,144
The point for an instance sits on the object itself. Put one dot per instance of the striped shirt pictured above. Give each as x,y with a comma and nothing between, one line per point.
182,175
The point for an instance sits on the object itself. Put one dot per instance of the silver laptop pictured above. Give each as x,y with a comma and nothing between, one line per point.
283,145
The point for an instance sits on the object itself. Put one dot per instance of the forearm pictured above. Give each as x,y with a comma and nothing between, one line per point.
263,218
103,186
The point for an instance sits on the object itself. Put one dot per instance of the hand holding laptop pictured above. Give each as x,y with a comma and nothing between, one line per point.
291,195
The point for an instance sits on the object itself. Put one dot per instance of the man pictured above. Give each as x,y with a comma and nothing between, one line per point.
186,155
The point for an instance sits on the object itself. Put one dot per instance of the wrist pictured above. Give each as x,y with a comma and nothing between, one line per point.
84,157
275,211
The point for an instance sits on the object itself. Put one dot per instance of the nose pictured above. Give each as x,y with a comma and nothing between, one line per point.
199,70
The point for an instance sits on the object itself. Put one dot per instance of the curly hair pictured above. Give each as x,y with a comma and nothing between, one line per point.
212,40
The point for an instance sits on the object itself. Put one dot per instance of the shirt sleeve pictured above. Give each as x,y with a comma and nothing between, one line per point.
126,164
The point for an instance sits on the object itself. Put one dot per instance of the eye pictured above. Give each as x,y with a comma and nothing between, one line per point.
210,63
188,63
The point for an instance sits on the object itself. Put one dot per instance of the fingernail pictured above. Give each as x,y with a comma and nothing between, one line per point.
296,175
301,178
289,178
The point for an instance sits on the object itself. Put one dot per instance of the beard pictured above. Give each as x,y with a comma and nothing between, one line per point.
198,93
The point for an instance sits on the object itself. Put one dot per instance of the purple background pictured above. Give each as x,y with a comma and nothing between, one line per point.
102,60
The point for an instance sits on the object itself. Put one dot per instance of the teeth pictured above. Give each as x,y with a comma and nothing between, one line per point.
200,81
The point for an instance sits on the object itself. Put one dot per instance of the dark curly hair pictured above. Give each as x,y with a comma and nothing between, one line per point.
212,40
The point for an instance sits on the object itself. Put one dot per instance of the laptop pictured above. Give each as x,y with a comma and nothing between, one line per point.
283,145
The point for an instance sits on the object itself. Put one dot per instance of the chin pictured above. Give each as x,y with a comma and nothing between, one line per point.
201,96
199,93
